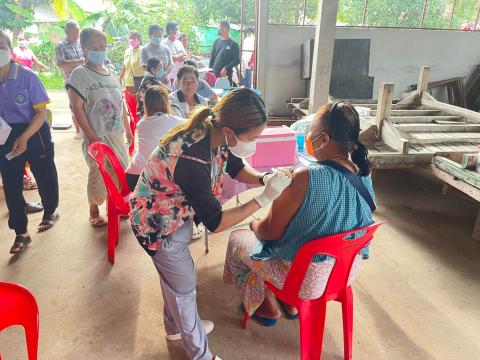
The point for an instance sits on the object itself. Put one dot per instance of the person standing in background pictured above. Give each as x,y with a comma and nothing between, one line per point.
96,98
69,55
24,56
179,55
184,40
225,53
248,58
23,106
156,49
132,71
154,72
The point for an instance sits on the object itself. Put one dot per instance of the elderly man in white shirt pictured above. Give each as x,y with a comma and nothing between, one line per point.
179,54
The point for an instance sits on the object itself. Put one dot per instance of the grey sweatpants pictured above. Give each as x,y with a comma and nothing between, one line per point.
178,281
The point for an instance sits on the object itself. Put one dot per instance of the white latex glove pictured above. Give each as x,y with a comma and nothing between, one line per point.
277,182
280,169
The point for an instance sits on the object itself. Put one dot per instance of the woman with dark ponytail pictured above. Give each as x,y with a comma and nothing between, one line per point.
334,194
181,183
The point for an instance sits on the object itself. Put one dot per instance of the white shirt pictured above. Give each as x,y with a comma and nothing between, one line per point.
180,107
150,130
176,48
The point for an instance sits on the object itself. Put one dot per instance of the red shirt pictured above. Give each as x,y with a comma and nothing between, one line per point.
23,56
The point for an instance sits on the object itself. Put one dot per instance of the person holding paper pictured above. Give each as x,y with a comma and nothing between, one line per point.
23,106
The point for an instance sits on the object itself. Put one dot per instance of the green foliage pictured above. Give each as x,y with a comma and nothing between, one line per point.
14,17
380,13
52,80
116,52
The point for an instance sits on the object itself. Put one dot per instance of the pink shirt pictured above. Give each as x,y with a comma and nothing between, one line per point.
23,56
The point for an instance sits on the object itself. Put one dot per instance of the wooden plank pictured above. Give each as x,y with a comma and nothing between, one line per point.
410,112
434,127
393,137
400,161
385,149
438,138
454,169
423,119
457,183
422,85
385,97
412,98
431,102
394,106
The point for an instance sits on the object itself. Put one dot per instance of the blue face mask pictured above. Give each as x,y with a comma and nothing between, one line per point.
96,57
156,40
159,74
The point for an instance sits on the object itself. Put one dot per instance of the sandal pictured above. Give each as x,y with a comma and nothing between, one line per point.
47,222
20,243
284,308
29,183
267,322
98,221
198,231
33,207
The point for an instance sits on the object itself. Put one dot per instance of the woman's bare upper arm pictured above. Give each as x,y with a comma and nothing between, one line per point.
285,207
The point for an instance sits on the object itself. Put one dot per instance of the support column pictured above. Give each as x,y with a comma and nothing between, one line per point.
323,53
261,45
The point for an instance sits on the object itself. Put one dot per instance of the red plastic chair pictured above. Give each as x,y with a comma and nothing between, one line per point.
312,312
18,307
118,200
131,103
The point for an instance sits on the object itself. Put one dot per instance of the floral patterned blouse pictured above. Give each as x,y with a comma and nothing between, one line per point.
181,180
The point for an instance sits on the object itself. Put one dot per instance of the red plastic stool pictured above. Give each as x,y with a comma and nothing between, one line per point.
118,200
312,312
18,307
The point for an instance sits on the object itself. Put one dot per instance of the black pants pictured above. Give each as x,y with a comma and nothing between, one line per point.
132,181
39,154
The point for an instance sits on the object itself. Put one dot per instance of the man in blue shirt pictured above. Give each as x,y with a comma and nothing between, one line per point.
23,106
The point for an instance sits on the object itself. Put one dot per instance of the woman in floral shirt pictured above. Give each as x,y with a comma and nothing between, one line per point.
181,183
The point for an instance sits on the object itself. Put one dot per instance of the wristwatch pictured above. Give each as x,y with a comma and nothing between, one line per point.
262,177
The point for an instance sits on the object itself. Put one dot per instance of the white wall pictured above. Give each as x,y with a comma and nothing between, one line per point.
396,55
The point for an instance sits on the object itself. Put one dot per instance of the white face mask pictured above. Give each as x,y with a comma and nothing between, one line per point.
4,57
242,149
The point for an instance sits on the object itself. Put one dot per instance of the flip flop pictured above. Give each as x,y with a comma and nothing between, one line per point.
99,221
284,308
47,222
267,322
33,207
29,183
19,244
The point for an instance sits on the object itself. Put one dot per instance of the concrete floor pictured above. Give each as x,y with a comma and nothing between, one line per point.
416,298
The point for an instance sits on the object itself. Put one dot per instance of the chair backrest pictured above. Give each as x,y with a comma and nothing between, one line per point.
101,152
337,246
222,83
131,102
17,306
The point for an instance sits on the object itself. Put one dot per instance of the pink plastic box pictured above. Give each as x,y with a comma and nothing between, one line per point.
276,146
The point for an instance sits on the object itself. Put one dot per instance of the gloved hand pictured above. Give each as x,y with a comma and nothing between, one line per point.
284,170
277,182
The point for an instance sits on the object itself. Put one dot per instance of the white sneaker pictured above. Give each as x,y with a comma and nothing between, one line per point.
197,231
207,324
